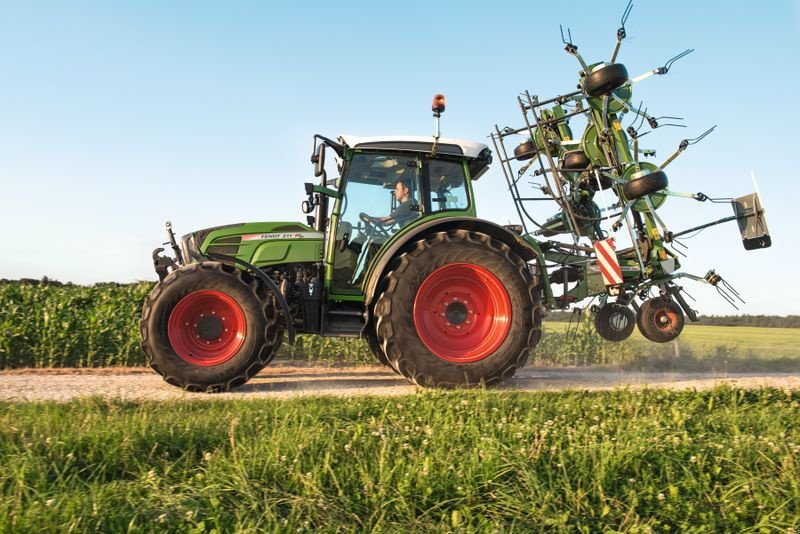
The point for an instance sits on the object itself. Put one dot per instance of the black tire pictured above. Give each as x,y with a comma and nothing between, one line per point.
525,150
605,79
614,322
377,350
258,321
396,314
646,185
589,182
660,319
575,160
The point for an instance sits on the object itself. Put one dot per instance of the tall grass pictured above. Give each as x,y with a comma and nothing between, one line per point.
726,460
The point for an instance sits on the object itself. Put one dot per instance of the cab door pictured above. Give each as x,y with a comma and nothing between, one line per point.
364,214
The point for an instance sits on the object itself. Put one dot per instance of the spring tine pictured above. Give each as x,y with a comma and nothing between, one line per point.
569,33
727,297
732,290
626,14
668,64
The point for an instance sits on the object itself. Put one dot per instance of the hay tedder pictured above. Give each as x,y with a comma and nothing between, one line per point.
606,194
395,254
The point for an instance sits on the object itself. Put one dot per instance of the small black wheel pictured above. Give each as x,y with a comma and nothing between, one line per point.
575,160
588,181
525,150
660,319
614,322
646,185
458,309
605,79
209,327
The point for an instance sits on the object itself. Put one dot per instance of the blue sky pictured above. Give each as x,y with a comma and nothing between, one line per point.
116,116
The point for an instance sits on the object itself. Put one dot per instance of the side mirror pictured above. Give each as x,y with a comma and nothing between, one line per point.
319,160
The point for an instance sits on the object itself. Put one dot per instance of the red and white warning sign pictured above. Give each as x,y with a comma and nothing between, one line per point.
607,258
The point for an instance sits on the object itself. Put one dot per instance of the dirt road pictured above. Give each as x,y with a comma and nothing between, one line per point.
285,381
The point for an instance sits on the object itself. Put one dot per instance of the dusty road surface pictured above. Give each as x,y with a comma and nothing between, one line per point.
282,381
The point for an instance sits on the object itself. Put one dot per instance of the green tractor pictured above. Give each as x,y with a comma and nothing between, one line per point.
393,254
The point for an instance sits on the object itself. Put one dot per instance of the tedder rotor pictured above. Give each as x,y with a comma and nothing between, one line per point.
606,195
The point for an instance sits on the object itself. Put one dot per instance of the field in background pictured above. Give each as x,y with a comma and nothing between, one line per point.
78,326
724,460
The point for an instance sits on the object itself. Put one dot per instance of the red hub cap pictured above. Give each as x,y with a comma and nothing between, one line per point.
462,312
665,319
206,328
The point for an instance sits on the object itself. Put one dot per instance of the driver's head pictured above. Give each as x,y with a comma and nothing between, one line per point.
401,191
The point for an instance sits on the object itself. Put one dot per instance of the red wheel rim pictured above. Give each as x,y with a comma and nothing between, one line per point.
206,328
462,312
665,319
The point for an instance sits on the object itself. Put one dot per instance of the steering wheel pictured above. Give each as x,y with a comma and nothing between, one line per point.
374,226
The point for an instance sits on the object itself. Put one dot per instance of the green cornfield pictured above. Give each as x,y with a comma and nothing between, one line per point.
56,325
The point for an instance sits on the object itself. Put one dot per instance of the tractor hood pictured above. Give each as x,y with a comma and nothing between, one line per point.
258,243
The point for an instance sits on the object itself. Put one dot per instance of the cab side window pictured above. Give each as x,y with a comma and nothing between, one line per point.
446,185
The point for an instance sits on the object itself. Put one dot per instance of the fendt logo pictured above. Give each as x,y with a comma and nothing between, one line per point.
283,235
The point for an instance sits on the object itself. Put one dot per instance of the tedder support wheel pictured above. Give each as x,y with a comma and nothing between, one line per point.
525,150
647,184
605,79
660,319
458,309
209,327
575,160
614,322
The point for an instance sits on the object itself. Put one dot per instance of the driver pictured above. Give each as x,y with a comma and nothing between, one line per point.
403,213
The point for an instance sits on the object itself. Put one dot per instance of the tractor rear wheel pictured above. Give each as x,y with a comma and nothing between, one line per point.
458,309
614,322
377,350
209,327
660,319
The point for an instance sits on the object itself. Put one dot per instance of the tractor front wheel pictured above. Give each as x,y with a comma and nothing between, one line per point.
209,327
458,309
660,319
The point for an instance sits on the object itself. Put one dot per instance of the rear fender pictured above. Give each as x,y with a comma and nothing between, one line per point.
380,265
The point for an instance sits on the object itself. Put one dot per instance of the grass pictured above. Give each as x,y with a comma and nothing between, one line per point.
700,347
722,460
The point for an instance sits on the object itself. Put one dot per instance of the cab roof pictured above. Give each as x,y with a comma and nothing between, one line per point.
450,147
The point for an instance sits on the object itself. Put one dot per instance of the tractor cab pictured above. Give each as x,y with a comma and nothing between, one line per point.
388,185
